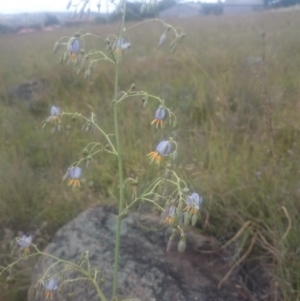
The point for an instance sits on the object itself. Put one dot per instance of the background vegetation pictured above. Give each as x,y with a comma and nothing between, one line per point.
235,86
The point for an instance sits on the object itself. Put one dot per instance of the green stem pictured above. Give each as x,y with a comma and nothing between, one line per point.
120,166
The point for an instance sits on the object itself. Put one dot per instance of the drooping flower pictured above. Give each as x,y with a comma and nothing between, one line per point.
25,243
169,215
74,175
119,45
54,117
194,202
50,286
73,47
160,115
163,149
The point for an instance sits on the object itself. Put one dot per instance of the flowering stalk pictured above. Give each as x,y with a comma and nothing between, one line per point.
120,164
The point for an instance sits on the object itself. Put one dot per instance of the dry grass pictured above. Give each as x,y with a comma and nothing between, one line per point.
238,133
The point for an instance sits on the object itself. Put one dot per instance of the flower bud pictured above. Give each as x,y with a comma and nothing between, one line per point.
186,218
185,190
10,279
87,74
174,48
181,245
56,47
85,152
144,102
194,219
132,87
174,123
170,241
174,154
162,40
65,56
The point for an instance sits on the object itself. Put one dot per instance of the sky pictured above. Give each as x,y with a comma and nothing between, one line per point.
24,6
28,6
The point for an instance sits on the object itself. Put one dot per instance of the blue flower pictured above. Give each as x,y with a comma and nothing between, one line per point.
169,215
25,243
50,286
160,115
55,111
73,47
54,117
74,175
163,149
194,202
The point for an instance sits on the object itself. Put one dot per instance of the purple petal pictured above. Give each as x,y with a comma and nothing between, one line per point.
75,172
51,285
55,111
160,113
164,148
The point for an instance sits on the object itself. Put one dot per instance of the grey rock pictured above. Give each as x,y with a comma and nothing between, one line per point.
32,94
147,271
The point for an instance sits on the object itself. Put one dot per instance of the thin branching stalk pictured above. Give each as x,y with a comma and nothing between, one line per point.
120,166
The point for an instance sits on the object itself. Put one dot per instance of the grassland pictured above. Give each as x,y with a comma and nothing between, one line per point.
235,86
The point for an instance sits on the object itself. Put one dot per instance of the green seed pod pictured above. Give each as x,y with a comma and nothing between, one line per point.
179,213
85,152
181,245
65,56
174,123
74,118
86,74
194,220
56,47
174,155
181,37
186,218
174,48
144,102
185,190
175,222
172,43
76,62
132,87
10,279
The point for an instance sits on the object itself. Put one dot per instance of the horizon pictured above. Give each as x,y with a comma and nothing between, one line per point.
46,6
57,6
